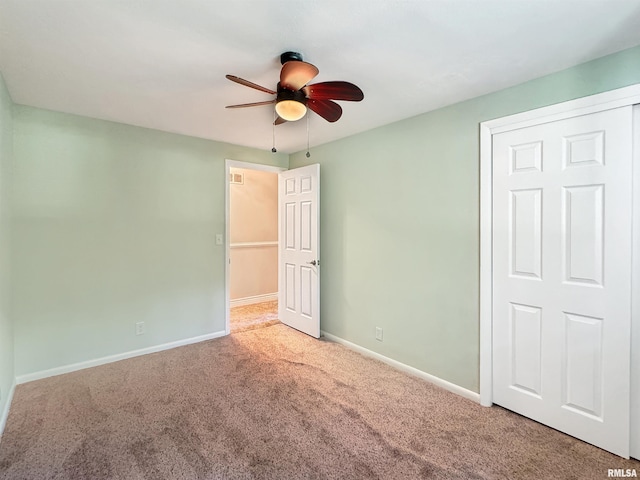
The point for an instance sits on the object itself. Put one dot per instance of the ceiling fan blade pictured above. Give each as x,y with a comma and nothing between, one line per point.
247,83
295,75
279,121
255,104
334,91
327,109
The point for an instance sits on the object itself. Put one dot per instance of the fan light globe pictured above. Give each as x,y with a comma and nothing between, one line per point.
290,110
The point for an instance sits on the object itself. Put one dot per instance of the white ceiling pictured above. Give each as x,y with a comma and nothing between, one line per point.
161,63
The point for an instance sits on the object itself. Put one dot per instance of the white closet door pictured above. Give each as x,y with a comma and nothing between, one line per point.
562,275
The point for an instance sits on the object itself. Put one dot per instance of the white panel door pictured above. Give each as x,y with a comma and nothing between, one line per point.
562,276
299,249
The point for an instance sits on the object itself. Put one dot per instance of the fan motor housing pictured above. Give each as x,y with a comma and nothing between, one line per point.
286,94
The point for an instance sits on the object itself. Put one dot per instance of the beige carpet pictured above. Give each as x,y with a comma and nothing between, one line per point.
272,403
257,315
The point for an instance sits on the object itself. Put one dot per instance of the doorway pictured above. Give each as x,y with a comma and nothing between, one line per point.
559,325
297,246
252,246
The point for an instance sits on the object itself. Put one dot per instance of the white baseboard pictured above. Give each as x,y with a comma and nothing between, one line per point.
240,302
5,411
452,387
30,377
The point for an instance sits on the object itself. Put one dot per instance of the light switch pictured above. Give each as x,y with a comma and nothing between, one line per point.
218,239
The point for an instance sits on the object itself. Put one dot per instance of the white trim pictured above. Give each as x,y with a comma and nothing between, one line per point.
253,244
5,411
252,166
599,102
30,377
582,106
635,287
228,165
486,274
452,387
265,297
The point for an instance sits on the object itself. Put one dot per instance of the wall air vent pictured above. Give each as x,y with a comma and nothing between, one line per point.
236,178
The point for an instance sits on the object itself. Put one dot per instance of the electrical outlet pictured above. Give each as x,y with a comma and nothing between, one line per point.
140,328
218,239
379,334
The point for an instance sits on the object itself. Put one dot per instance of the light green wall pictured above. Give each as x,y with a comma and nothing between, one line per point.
114,225
400,222
7,373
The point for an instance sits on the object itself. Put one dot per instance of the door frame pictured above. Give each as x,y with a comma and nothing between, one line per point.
228,165
582,106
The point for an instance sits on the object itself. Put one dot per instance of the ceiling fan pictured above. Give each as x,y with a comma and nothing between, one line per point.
294,95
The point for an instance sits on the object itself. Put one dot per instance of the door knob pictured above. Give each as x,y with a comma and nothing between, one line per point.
313,262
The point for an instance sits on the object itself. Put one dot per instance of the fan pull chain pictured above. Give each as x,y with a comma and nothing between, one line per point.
273,150
308,154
